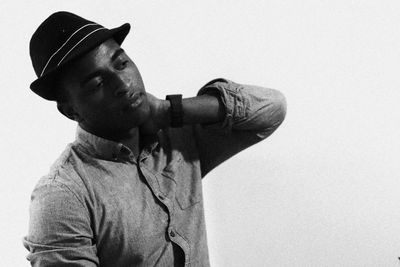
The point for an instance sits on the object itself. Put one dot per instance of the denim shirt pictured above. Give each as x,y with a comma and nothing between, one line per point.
101,206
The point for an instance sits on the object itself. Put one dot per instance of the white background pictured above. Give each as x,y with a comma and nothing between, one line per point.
323,190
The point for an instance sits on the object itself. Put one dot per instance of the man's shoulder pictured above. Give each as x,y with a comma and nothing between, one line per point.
63,173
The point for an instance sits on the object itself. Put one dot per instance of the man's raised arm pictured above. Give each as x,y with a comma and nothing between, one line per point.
227,117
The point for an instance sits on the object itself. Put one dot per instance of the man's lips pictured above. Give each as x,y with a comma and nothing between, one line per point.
135,99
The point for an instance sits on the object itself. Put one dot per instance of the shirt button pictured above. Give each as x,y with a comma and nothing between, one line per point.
172,233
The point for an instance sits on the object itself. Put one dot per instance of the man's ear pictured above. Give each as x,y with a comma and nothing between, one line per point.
68,111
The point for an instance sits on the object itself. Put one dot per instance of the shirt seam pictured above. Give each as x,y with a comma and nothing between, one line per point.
67,189
63,185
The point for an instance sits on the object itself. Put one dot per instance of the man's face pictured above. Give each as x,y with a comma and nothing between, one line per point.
106,92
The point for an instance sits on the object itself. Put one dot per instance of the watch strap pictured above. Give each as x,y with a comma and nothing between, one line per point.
176,110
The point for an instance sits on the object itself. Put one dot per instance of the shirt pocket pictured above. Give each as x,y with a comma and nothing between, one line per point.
188,183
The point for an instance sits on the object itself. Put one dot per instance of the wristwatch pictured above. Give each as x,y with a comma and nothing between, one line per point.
176,110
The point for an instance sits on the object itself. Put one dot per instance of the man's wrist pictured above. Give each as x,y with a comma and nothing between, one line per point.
176,110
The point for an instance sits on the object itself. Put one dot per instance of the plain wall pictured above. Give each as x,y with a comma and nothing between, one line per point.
323,190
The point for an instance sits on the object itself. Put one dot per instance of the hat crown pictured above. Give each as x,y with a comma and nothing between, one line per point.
52,35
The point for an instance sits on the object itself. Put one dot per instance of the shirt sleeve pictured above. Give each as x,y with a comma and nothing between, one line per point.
59,229
252,114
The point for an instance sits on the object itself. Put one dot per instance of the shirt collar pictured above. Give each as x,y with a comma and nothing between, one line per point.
102,148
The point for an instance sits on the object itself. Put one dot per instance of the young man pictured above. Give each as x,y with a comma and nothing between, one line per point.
128,191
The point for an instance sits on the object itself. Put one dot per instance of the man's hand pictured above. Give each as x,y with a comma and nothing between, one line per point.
159,115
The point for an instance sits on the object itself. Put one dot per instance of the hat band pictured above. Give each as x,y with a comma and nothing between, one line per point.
77,37
79,43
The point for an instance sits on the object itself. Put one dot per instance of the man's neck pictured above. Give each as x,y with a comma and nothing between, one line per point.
130,138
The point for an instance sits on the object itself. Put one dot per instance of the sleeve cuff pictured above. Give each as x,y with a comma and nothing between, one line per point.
232,100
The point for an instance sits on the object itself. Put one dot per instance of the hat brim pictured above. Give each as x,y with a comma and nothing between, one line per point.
44,86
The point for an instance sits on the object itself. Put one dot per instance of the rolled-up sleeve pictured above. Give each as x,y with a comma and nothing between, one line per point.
252,113
59,229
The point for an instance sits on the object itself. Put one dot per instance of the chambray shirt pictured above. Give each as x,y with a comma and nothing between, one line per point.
101,206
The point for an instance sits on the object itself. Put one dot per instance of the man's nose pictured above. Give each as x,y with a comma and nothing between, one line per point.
122,85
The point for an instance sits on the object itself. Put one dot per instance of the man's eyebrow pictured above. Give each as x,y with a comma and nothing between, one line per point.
117,53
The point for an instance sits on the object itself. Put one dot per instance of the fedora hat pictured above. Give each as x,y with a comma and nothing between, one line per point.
59,40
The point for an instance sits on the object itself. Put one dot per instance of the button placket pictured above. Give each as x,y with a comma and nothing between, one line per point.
155,189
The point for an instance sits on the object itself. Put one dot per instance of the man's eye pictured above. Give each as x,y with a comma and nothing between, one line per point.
95,85
122,65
